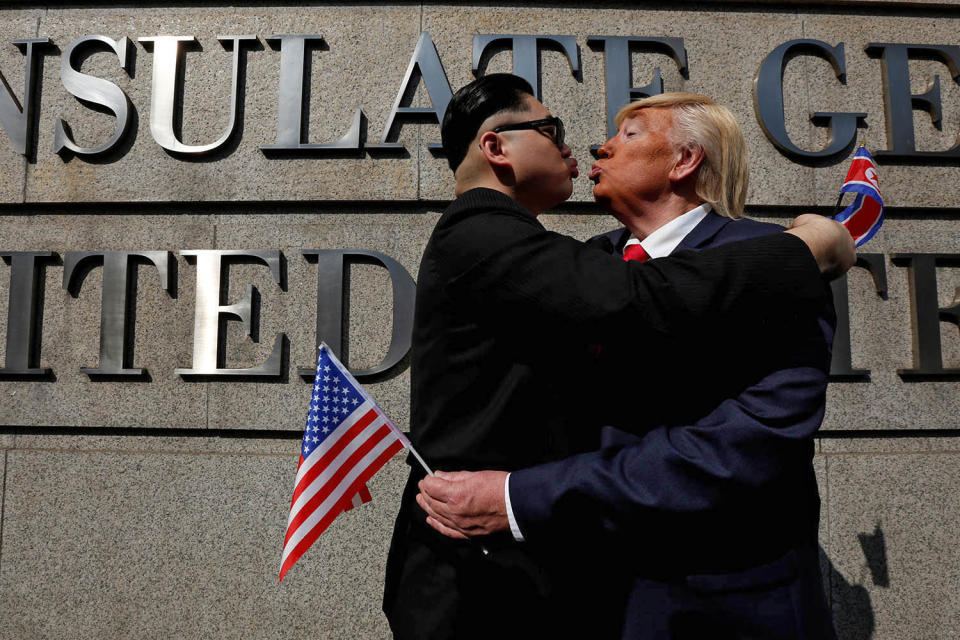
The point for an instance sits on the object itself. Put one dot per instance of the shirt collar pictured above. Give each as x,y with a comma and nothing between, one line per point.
665,239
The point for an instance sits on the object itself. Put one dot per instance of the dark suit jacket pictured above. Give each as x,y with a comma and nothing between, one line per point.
705,491
504,313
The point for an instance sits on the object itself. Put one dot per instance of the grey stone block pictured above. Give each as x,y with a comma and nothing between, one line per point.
716,48
241,171
160,444
920,443
579,226
882,341
89,536
163,332
4,442
104,404
823,532
892,544
294,312
902,184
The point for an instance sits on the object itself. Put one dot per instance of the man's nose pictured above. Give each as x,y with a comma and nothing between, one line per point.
604,150
565,151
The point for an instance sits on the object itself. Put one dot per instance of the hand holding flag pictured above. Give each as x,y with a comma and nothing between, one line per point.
864,216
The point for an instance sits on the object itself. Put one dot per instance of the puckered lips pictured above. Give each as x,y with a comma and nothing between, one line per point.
595,172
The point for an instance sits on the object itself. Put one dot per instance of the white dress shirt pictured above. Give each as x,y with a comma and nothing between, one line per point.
658,244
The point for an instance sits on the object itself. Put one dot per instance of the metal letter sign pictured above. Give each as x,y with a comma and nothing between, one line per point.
927,355
526,54
899,101
618,69
166,77
94,90
290,110
330,302
117,302
841,365
17,121
211,286
426,63
768,100
23,313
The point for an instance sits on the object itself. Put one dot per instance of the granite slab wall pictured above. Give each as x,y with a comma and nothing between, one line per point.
156,507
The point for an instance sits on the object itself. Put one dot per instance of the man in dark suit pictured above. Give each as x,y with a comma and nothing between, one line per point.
507,315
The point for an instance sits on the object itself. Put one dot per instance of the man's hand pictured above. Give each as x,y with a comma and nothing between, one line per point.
462,504
828,240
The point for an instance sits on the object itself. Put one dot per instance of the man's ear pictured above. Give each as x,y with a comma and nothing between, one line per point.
493,150
689,160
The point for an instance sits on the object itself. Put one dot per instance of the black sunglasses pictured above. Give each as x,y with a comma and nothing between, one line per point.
557,133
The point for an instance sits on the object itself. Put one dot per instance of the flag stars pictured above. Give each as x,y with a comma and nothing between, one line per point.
333,398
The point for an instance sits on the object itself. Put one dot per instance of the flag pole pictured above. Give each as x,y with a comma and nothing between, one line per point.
839,207
420,460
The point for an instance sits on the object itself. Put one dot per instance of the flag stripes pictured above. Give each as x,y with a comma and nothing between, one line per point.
864,216
328,451
310,529
318,486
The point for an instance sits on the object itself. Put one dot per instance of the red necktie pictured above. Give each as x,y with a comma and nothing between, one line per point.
635,252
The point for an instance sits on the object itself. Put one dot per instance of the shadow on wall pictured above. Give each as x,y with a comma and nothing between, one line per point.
853,616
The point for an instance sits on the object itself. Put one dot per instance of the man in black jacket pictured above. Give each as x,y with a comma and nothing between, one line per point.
507,318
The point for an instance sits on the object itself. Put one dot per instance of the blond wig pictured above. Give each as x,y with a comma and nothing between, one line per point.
699,122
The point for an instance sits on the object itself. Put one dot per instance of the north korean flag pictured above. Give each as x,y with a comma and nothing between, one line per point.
865,215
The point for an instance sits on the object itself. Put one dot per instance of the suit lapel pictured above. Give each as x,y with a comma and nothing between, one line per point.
611,241
703,233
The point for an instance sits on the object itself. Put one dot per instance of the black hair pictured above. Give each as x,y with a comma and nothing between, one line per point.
473,104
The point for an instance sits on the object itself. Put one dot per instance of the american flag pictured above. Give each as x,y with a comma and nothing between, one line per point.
347,439
864,216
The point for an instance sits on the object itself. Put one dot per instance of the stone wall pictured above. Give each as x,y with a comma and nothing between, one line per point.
155,506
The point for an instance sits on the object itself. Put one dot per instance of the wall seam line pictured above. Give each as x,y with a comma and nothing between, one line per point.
420,154
826,482
3,502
